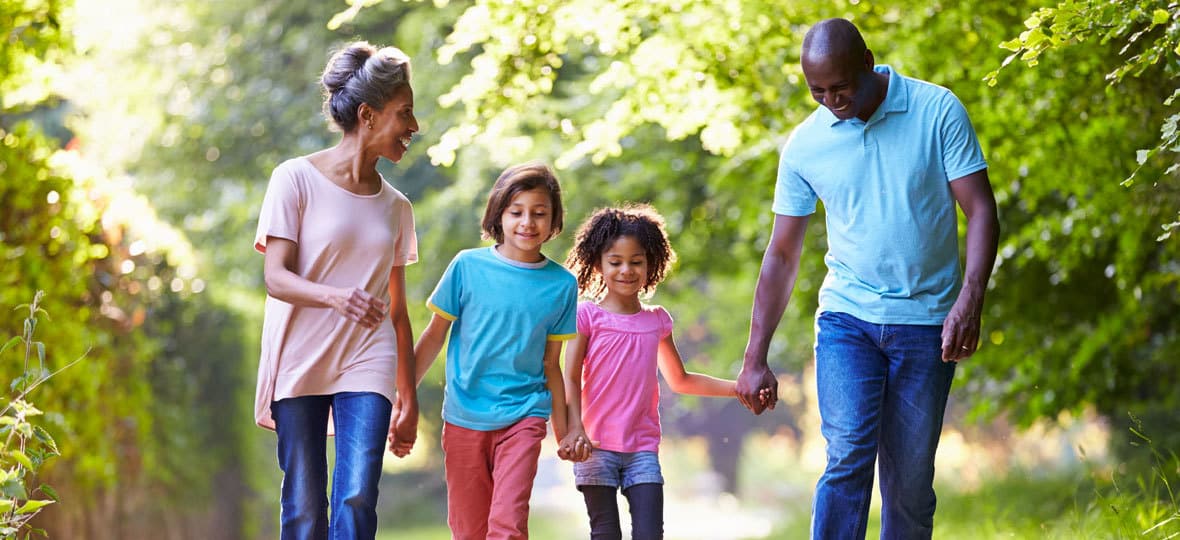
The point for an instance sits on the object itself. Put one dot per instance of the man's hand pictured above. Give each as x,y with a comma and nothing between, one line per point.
960,331
757,388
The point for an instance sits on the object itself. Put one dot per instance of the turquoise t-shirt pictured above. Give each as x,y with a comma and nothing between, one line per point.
893,253
503,312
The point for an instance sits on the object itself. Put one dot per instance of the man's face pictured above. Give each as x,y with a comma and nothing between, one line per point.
843,85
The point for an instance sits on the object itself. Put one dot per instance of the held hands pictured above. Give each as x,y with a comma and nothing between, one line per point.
359,306
403,430
575,446
757,388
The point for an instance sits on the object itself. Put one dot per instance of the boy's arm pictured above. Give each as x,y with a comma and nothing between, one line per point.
685,382
429,344
556,386
576,444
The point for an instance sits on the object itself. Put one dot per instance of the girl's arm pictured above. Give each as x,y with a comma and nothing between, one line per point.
576,446
404,430
687,382
284,284
429,344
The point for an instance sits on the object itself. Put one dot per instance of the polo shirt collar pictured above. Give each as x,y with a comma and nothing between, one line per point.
897,98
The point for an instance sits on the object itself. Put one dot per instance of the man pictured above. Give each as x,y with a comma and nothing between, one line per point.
889,156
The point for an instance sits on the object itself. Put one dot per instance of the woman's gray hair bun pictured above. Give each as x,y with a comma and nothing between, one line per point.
361,73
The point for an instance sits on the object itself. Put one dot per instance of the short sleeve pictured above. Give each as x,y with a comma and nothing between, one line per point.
446,298
793,196
565,326
405,248
585,321
282,209
961,154
665,322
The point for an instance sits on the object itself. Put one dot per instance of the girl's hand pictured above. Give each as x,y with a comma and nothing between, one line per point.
403,431
575,446
359,306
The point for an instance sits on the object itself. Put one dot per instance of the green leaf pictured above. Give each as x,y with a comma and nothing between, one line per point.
1013,44
32,506
11,342
1159,16
22,458
49,491
45,438
5,506
13,489
40,351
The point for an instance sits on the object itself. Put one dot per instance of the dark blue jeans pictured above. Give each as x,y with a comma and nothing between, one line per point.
361,422
882,392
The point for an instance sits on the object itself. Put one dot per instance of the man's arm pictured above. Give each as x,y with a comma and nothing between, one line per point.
776,280
960,332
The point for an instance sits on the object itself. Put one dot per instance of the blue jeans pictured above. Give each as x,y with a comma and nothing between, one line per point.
882,392
361,420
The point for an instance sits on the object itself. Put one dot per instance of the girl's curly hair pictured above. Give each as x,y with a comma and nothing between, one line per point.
599,231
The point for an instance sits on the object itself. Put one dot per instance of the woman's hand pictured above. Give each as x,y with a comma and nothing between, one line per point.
359,306
403,430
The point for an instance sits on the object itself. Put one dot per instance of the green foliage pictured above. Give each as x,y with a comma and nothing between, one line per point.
122,284
1147,36
27,445
1080,312
32,39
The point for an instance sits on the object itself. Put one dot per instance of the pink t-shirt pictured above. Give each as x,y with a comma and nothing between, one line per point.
620,385
344,240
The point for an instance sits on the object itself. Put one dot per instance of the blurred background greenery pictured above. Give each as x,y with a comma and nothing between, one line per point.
137,139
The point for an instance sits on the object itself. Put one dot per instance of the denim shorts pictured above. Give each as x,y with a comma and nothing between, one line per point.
618,469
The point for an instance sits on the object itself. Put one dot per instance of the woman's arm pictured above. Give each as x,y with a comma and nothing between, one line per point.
283,283
686,382
405,422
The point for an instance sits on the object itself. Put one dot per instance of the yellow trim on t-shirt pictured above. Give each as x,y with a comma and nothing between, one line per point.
440,312
561,337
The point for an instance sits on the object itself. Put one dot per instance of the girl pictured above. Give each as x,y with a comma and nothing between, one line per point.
620,256
508,309
336,338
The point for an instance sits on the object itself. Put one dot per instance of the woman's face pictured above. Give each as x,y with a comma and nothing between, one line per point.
394,125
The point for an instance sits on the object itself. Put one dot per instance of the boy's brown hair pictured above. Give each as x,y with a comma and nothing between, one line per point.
515,179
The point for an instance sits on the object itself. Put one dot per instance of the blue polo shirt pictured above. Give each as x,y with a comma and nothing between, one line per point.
893,253
503,312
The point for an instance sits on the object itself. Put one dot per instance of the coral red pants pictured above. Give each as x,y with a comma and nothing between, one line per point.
489,479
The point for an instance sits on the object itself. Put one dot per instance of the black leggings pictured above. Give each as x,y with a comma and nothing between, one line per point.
647,511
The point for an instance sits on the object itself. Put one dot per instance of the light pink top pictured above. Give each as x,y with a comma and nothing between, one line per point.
344,240
620,385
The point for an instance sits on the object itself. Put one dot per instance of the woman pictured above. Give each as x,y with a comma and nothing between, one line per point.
336,337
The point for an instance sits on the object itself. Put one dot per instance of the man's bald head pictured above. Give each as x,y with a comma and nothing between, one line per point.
833,40
839,71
